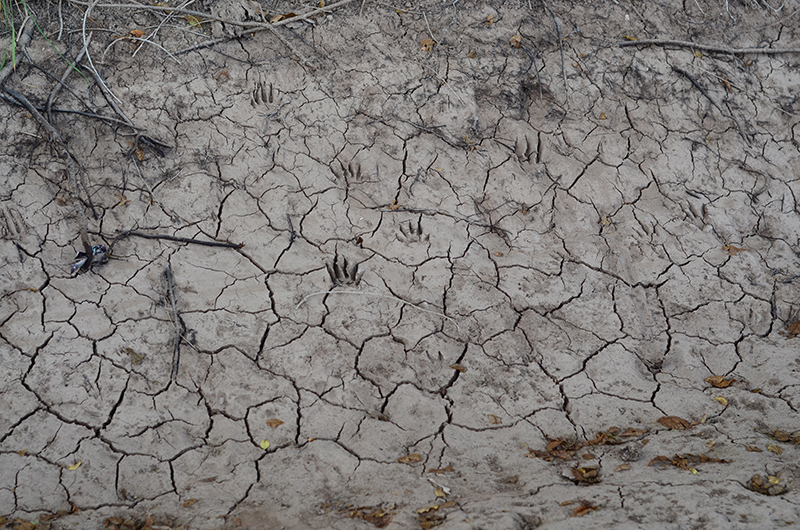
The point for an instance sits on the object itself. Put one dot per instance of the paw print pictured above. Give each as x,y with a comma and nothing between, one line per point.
412,233
525,149
344,274
12,225
350,172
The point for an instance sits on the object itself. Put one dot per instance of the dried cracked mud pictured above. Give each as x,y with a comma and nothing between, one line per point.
473,277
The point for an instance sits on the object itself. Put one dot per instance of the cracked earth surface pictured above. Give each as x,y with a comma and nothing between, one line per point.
447,253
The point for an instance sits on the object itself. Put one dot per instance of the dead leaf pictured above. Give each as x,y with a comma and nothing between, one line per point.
732,250
448,504
516,41
458,367
697,53
753,449
494,420
274,423
721,400
499,254
22,452
604,221
426,509
193,20
439,492
189,502
775,448
278,18
683,461
426,45
448,469
675,423
622,467
74,466
628,37
137,33
264,444
781,436
603,116
719,381
410,459
759,485
586,475
566,503
584,508
394,206
380,516
490,20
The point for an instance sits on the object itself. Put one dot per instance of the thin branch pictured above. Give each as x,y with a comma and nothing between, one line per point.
60,84
128,233
708,48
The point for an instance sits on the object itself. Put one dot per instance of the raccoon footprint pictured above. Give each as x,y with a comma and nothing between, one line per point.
346,273
12,225
412,233
262,95
525,149
350,172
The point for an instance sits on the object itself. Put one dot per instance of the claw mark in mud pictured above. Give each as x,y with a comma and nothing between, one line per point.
349,173
265,95
12,225
346,274
525,149
412,233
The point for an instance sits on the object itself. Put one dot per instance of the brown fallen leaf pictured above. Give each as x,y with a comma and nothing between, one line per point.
753,449
792,331
494,420
686,460
448,504
731,250
442,470
516,41
458,367
775,448
584,508
622,467
439,492
781,436
278,18
586,475
675,423
22,452
189,502
719,381
274,423
410,459
765,487
426,45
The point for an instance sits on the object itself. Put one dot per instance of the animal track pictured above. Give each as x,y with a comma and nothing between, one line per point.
262,96
12,225
344,274
525,149
412,233
350,172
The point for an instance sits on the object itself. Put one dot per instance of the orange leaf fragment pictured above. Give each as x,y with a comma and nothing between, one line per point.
426,45
752,449
458,367
719,381
675,423
584,508
137,33
410,459
494,420
278,18
274,423
731,250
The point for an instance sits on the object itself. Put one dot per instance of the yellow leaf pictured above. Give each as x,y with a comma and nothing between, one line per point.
628,37
603,116
772,479
516,41
73,467
693,470
721,400
321,3
623,467
775,448
697,54
440,493
193,20
490,20
410,459
264,445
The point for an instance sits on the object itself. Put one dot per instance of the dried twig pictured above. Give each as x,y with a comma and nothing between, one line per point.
707,48
60,84
176,352
143,235
713,102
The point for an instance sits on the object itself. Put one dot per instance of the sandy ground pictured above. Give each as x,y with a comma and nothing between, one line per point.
473,277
